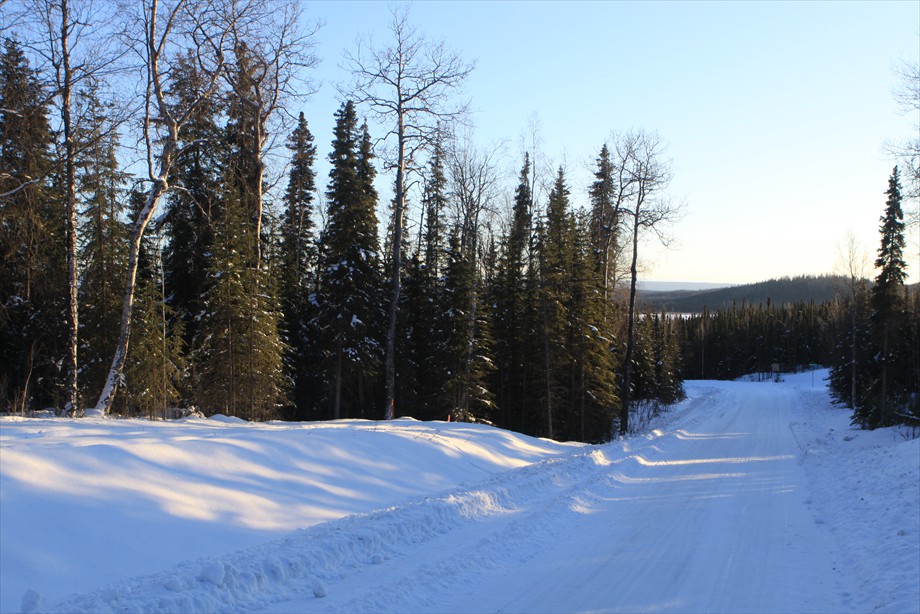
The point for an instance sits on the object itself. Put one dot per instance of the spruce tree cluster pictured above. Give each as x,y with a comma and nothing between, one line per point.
244,305
33,265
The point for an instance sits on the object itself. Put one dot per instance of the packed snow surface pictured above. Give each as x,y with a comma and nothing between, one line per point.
746,497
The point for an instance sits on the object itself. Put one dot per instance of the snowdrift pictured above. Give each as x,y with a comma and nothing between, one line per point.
87,502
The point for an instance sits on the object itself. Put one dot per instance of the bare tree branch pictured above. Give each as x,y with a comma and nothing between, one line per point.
26,183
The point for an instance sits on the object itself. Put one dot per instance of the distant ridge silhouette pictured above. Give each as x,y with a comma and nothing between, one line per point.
781,291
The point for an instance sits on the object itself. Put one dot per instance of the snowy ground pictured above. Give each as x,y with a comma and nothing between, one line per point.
747,497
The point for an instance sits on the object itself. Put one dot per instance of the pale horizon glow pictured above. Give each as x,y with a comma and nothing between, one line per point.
776,115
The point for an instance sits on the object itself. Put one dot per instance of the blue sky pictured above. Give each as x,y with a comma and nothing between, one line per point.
776,114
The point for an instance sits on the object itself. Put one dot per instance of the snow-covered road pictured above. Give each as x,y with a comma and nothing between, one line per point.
711,515
746,497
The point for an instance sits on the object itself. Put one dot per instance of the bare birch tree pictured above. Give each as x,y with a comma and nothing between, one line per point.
76,51
168,26
645,177
405,84
854,263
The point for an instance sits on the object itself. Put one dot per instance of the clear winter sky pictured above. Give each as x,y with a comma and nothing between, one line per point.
777,114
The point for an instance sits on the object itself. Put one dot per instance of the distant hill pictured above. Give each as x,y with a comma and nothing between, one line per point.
674,286
777,291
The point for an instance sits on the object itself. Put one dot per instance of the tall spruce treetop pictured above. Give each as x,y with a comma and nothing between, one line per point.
555,250
604,218
297,225
890,261
299,263
602,193
514,308
435,202
559,227
352,220
888,301
519,233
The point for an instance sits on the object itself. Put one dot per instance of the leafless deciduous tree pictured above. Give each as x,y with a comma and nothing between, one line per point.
9,15
167,27
405,84
76,52
854,263
645,177
907,96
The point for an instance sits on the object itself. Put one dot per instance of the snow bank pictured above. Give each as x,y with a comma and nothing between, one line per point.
91,502
867,492
308,560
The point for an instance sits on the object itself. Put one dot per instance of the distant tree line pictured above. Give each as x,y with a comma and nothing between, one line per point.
749,339
202,286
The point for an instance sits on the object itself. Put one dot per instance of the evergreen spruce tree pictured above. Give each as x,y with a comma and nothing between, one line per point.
241,310
593,394
244,166
656,368
404,384
222,347
297,230
913,342
410,329
156,366
643,371
349,295
605,222
556,263
298,268
514,315
671,369
192,210
33,260
468,344
101,198
435,204
422,372
848,372
239,355
889,394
